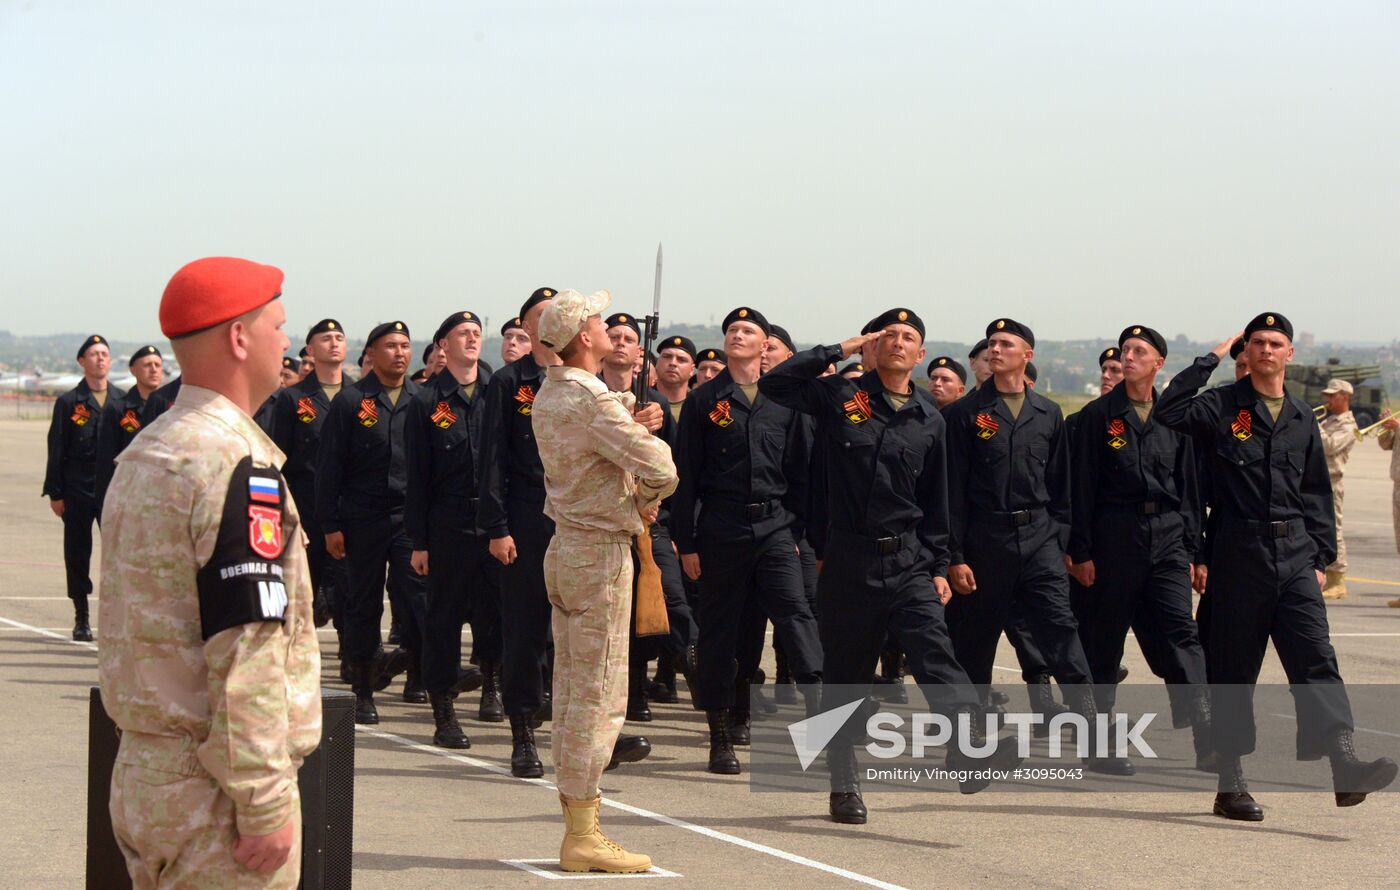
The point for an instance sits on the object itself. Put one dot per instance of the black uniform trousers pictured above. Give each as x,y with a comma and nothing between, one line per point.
1016,567
1141,573
464,584
1263,588
731,574
1028,654
678,610
863,597
79,513
372,548
525,610
327,574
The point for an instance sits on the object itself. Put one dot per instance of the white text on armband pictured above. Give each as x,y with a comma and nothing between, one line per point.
250,568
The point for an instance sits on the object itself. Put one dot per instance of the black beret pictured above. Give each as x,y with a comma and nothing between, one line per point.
142,353
452,321
782,334
952,364
684,344
1031,373
302,352
428,351
1111,354
744,313
1010,326
324,326
870,327
94,340
1143,332
1269,321
513,324
364,351
387,327
853,366
978,349
1236,348
539,296
289,363
623,318
897,316
713,355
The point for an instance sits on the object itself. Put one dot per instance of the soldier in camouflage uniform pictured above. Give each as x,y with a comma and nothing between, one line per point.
591,448
1338,438
208,659
1387,443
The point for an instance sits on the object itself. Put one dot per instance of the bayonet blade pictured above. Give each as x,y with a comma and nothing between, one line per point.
656,296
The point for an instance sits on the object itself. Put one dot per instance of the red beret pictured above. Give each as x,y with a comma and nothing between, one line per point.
213,290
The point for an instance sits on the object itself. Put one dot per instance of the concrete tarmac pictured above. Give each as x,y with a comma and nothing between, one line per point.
430,818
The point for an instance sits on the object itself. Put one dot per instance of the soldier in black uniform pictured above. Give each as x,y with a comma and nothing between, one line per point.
443,440
1008,470
675,366
977,363
264,417
70,479
743,461
1134,532
708,365
360,487
298,417
511,512
886,553
514,341
1273,537
947,380
131,413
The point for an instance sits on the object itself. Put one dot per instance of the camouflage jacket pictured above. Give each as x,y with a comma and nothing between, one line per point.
591,449
208,649
1338,438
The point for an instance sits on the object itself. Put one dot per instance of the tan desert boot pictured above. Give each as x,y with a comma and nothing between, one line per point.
586,848
1336,586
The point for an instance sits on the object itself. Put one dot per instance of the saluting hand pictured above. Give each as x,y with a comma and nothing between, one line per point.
962,579
1223,349
335,544
852,345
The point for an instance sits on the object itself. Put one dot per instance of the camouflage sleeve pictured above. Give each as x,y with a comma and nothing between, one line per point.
1386,439
1338,439
240,546
623,441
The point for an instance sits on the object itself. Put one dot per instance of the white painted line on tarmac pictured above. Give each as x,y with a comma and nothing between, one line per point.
1389,735
533,867
65,638
644,813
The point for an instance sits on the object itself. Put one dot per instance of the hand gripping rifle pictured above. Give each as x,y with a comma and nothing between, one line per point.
651,599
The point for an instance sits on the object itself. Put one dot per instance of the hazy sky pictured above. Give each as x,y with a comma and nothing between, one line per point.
1077,165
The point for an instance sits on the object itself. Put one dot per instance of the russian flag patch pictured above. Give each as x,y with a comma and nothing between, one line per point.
264,490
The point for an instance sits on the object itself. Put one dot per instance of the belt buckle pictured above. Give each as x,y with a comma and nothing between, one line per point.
755,511
1021,517
886,546
1150,508
1278,529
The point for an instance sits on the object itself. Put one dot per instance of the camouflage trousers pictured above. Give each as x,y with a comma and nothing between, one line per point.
590,586
1338,492
1395,512
175,826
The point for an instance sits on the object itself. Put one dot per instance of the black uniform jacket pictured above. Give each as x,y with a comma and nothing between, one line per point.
510,460
75,434
363,470
443,441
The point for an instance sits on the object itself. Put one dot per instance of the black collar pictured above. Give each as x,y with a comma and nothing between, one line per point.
871,384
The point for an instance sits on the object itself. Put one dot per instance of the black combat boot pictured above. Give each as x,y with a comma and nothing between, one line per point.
363,673
82,630
469,679
413,691
395,634
524,759
1353,779
741,716
1201,738
1042,699
390,665
784,689
546,711
638,711
491,711
1004,758
1232,798
889,683
845,804
628,749
449,732
662,688
722,758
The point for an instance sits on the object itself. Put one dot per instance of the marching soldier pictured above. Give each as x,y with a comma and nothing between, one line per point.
710,363
360,489
744,464
71,478
777,348
887,546
1387,443
442,437
1134,531
675,366
131,413
208,660
978,363
511,512
1008,504
947,381
514,341
297,421
1338,428
1111,369
605,474
1238,357
307,364
1271,516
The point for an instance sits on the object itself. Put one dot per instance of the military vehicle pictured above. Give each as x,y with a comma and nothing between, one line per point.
1367,403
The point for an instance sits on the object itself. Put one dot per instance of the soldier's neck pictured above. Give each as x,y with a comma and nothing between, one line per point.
1270,387
617,380
96,384
895,382
1140,391
1010,382
675,393
465,375
745,372
145,391
329,377
389,382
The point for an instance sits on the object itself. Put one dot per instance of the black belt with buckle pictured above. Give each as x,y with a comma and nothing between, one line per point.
755,512
1018,518
1280,528
887,546
1151,508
